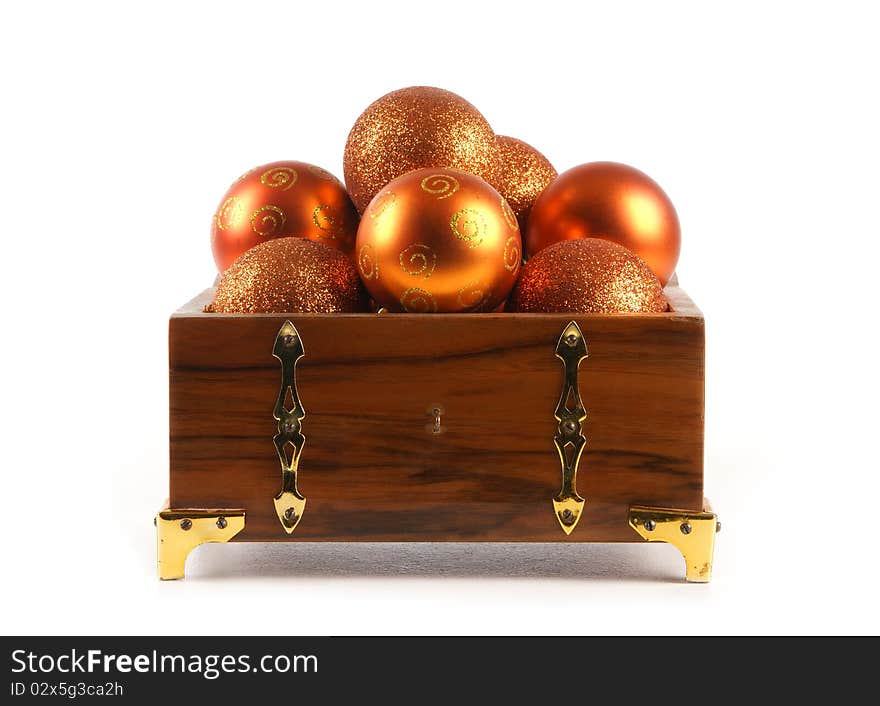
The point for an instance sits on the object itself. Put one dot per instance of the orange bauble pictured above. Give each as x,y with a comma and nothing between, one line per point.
290,275
282,199
587,276
439,240
413,128
523,174
610,201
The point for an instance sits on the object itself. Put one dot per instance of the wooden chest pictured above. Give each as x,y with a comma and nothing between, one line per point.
447,427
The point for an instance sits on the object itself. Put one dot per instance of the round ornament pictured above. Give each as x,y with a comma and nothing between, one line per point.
587,276
290,275
412,128
523,173
282,199
439,240
610,201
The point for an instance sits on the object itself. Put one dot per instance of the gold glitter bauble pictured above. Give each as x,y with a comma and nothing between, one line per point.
413,128
290,275
523,173
611,201
439,240
587,276
282,199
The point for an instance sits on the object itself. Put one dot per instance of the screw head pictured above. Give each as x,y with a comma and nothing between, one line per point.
567,517
186,524
288,340
289,425
650,525
686,528
571,340
570,426
221,523
290,514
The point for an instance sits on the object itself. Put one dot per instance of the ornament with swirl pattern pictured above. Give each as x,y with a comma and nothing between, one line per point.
438,240
283,199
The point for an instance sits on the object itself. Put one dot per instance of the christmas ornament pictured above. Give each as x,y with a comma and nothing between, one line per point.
587,275
523,173
282,199
611,201
413,128
439,240
290,275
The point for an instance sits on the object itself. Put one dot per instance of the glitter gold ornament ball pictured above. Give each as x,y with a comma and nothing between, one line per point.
587,276
290,275
282,199
413,128
439,240
523,173
611,201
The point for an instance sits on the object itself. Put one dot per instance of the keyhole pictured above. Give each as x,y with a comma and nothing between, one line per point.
435,413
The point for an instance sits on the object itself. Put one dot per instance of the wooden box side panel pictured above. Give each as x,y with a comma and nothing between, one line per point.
371,468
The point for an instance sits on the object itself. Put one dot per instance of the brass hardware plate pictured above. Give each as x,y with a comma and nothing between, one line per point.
570,413
178,532
289,441
692,533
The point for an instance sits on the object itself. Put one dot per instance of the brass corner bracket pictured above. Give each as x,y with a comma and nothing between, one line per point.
178,532
289,441
692,533
570,440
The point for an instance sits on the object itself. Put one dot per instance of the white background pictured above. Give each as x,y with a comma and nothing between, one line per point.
121,128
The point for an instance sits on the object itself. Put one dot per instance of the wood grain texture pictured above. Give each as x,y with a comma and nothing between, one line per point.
371,469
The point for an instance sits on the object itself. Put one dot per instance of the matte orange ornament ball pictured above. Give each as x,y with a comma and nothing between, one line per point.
587,275
411,128
282,199
610,201
439,240
523,174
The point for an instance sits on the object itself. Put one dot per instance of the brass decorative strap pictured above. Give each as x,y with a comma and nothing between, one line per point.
570,440
289,441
